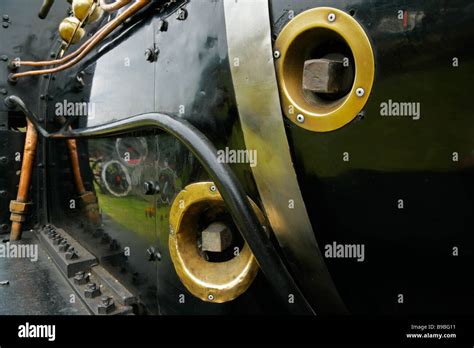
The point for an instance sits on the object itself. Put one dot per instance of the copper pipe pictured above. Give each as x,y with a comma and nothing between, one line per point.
76,169
88,198
114,6
29,153
65,58
96,39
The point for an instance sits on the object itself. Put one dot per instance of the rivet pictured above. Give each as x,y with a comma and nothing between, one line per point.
360,92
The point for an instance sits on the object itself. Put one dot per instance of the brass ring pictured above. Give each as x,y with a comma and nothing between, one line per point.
336,114
215,282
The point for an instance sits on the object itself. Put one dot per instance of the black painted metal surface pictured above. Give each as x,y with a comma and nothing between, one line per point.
409,251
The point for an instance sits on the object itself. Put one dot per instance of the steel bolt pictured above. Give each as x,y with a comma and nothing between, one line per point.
71,254
106,305
331,17
210,297
300,118
163,26
6,17
81,278
91,290
4,58
213,188
3,91
276,54
63,246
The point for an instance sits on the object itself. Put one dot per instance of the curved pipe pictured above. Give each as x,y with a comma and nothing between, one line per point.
241,210
97,38
114,6
65,58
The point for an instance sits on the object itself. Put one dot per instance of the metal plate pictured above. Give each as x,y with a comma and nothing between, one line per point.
255,84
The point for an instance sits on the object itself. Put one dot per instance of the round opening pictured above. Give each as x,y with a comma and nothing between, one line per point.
197,219
323,55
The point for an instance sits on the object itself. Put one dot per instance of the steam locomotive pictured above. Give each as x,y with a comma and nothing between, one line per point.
237,157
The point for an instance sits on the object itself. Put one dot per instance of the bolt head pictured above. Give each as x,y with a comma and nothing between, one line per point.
360,92
300,118
331,17
210,297
276,54
213,188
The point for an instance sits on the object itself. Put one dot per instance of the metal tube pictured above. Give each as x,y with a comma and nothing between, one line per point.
114,6
29,153
229,187
65,58
76,169
107,30
47,4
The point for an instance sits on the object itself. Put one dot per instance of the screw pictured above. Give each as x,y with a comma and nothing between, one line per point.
5,25
3,91
4,58
106,305
63,246
91,290
71,254
300,118
149,55
332,17
163,26
210,297
151,254
276,54
360,92
213,188
6,17
81,278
